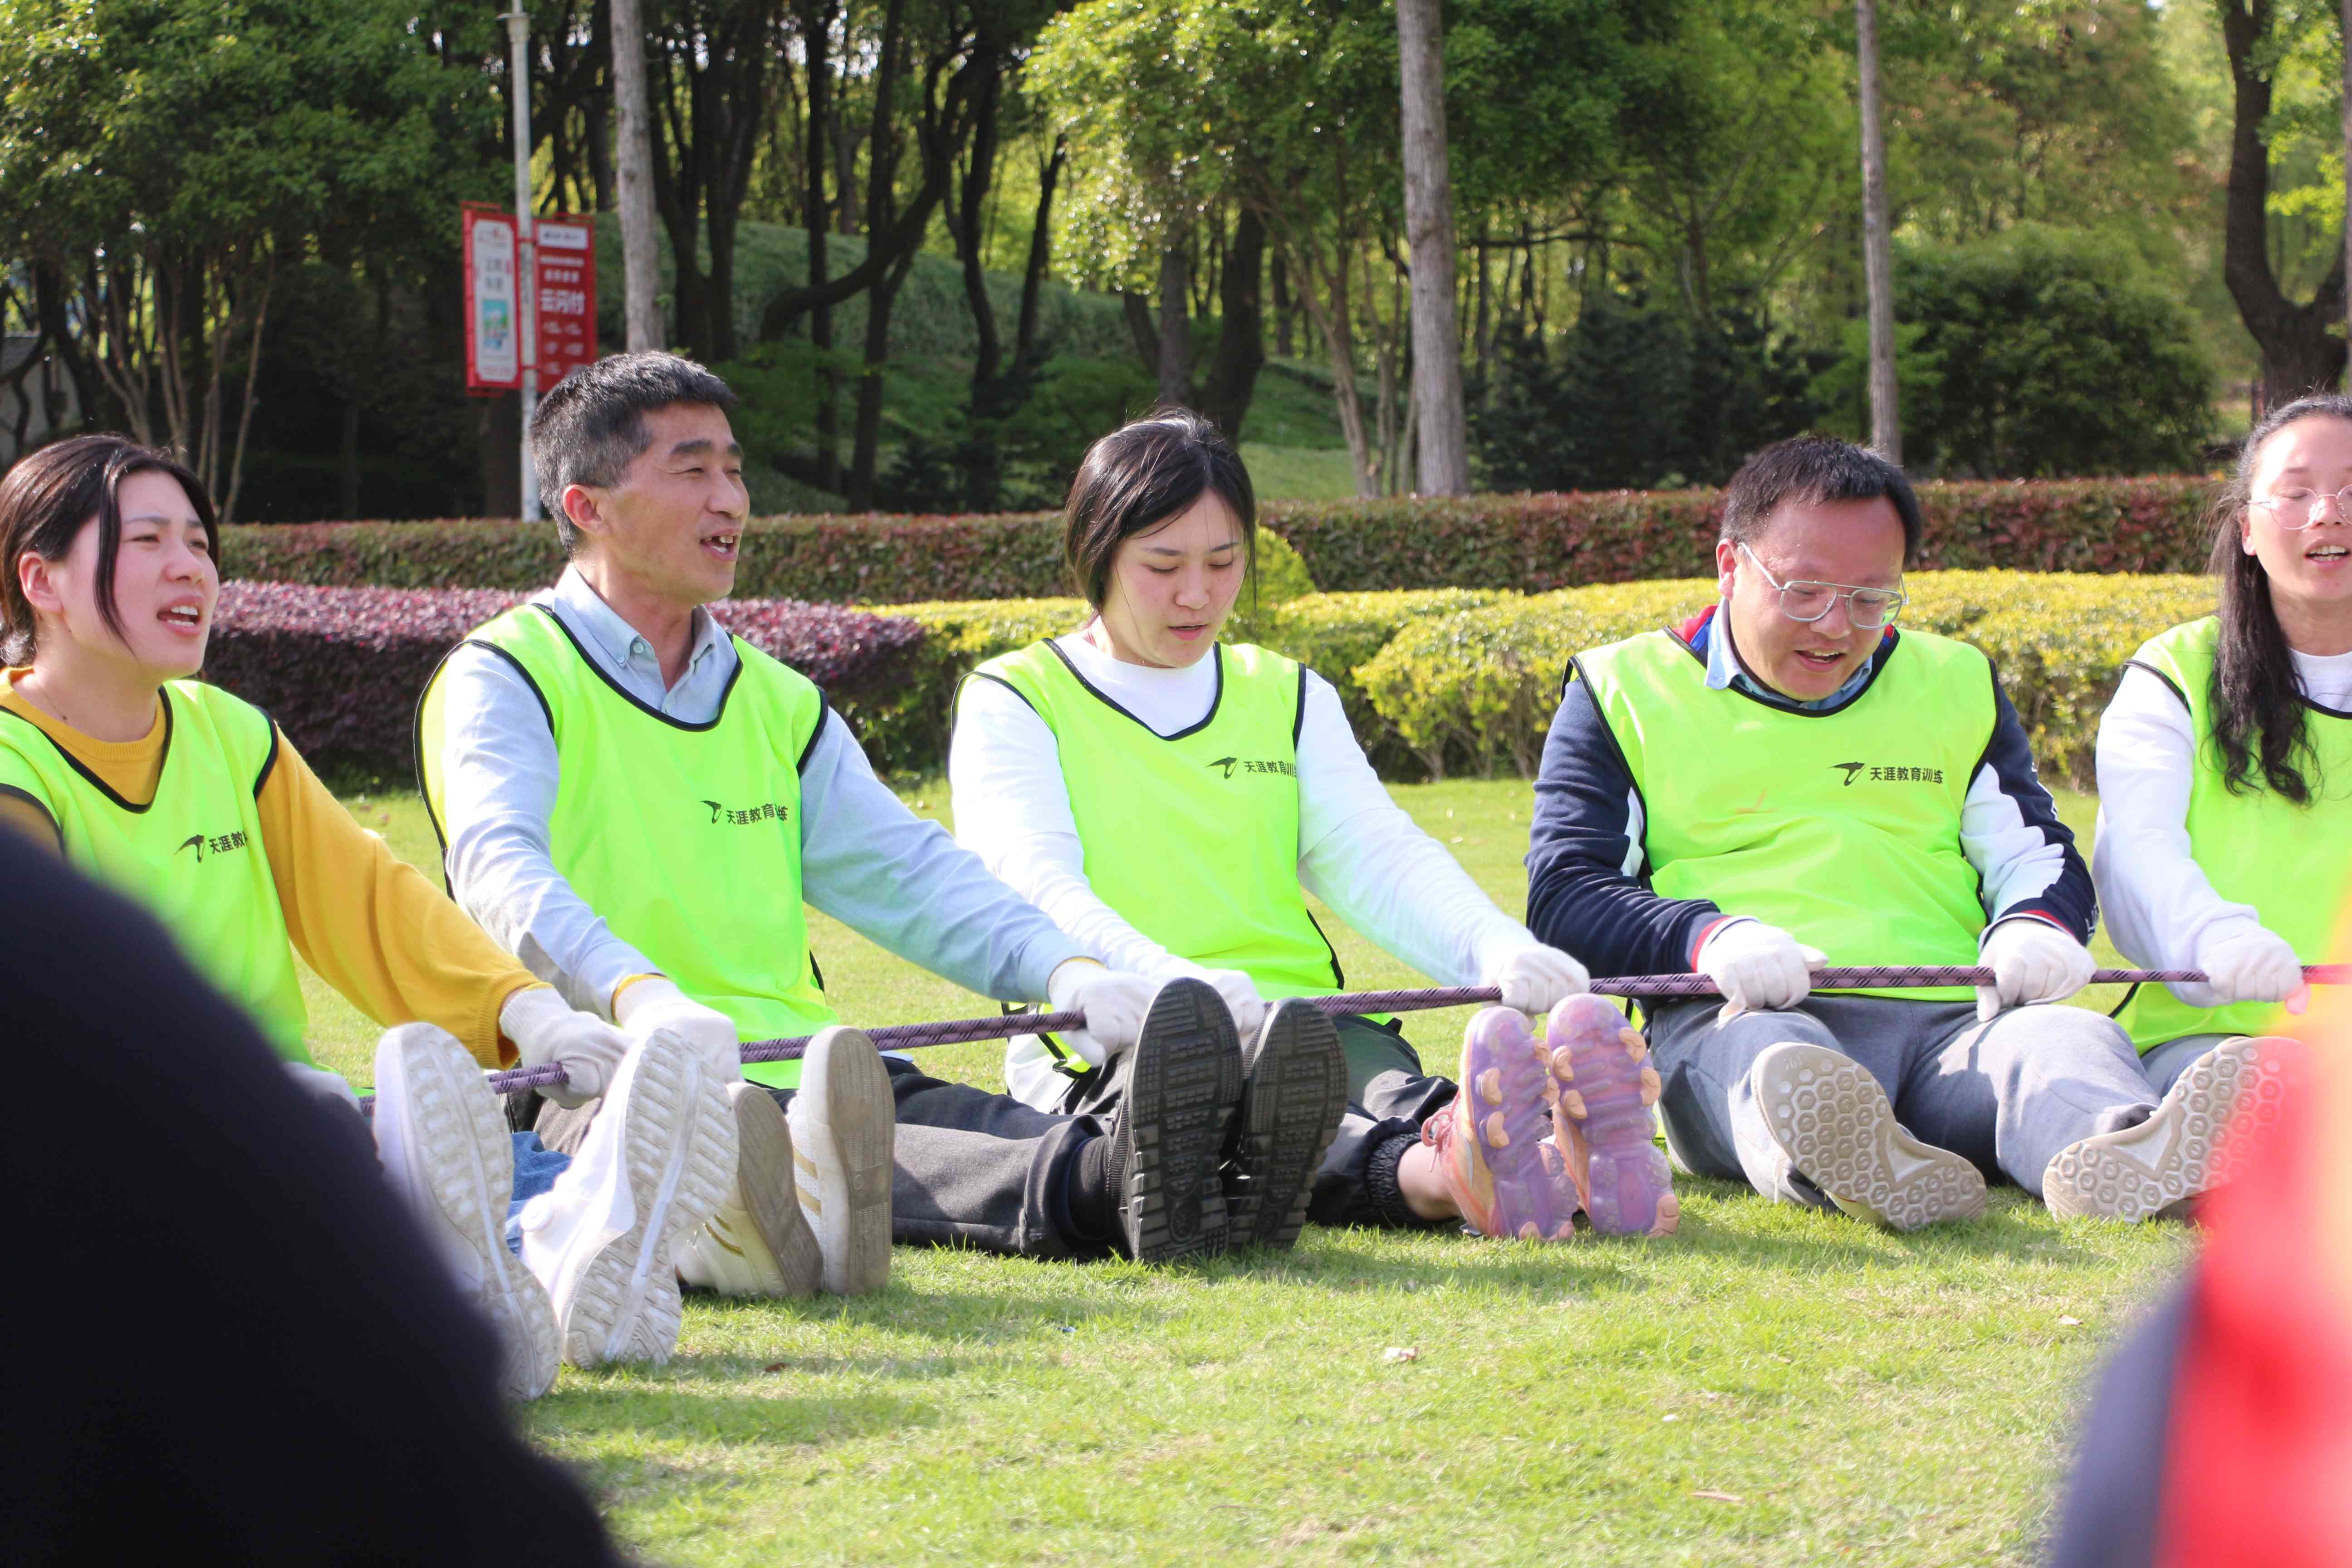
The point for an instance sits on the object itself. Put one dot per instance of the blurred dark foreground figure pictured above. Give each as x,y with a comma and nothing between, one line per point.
229,1343
2221,1433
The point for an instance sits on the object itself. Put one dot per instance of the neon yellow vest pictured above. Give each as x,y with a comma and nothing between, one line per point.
193,855
1841,826
2293,863
685,838
1194,838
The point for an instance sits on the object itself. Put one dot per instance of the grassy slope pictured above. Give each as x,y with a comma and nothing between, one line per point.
1855,1397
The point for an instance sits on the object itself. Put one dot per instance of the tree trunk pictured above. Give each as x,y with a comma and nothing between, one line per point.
1328,309
1040,255
1241,329
980,169
1136,309
1281,280
1877,243
2299,353
1444,446
1175,360
881,176
634,154
816,38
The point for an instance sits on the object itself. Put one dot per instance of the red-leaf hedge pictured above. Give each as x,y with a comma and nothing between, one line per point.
1532,543
340,669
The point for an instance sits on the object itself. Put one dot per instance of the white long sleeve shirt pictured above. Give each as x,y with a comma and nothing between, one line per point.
1358,850
2161,908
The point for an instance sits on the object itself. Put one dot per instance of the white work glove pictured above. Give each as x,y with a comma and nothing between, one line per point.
545,1029
2255,966
1534,978
1239,992
1113,1000
317,1083
2032,962
656,1003
1758,968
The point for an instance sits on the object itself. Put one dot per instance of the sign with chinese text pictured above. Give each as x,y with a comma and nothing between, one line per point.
565,259
493,301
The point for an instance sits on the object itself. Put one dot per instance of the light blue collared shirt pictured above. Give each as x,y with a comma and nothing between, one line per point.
865,859
1724,669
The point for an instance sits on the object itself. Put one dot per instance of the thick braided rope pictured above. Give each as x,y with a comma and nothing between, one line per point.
956,1031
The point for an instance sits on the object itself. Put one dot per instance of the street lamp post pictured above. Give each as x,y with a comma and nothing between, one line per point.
525,260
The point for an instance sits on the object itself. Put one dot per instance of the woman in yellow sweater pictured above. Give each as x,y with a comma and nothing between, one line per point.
190,800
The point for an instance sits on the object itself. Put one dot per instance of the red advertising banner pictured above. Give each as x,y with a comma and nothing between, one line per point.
493,301
565,259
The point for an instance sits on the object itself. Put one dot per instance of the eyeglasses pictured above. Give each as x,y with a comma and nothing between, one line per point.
2298,509
1867,608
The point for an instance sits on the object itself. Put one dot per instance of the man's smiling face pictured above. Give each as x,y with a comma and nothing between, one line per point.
674,522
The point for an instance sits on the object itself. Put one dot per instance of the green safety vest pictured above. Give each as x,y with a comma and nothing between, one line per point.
1192,838
193,855
1840,825
685,839
2293,863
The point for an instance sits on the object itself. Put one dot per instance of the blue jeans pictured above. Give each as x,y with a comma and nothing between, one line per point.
536,1166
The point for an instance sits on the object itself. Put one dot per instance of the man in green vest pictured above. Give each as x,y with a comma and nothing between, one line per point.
637,803
1788,781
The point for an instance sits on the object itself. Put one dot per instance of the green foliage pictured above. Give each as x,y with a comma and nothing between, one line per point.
2047,355
1476,690
1635,398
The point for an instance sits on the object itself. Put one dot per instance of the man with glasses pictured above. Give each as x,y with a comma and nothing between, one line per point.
1791,782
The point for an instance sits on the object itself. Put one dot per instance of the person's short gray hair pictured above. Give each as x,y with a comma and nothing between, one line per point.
1808,471
590,425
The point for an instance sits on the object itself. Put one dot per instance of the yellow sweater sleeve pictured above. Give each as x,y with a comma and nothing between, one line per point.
372,926
28,819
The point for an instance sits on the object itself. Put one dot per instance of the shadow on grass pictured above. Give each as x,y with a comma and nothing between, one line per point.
656,1413
933,1309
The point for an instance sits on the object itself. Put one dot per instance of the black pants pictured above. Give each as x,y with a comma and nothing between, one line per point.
1388,1098
971,1168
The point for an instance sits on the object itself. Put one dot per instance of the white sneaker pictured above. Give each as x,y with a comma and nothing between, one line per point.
2151,1171
657,1160
843,1121
1829,1115
757,1243
443,1141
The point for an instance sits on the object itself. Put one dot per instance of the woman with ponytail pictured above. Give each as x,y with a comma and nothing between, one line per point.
2225,760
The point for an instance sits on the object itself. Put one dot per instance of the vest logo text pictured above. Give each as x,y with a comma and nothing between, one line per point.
770,811
214,844
1877,774
1252,766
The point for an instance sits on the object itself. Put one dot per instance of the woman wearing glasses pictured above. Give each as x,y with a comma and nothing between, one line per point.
1789,781
2225,760
1171,799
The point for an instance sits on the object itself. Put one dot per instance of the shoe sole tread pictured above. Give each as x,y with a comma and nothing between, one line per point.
1834,1121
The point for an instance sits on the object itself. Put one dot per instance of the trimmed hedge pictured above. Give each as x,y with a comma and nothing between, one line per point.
1476,690
1533,543
1435,680
342,668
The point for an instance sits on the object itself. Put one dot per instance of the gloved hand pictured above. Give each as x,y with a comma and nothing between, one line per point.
1758,968
656,1003
2031,961
1534,978
1240,994
1114,1001
2255,966
318,1083
545,1029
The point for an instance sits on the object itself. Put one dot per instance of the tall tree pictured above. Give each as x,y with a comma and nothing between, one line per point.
633,137
1444,460
816,20
2300,353
1877,241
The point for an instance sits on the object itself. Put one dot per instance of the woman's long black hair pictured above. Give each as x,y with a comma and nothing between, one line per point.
2258,707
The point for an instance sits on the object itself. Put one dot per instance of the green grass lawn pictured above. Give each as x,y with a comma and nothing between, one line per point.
1768,1386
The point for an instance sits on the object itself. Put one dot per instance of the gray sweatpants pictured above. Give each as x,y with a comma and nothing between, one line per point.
2005,1095
2166,1063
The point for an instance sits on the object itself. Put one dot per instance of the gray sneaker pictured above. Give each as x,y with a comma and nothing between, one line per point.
2153,1170
1831,1117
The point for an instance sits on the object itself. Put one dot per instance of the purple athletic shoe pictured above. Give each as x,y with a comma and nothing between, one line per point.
1605,1087
1505,1176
